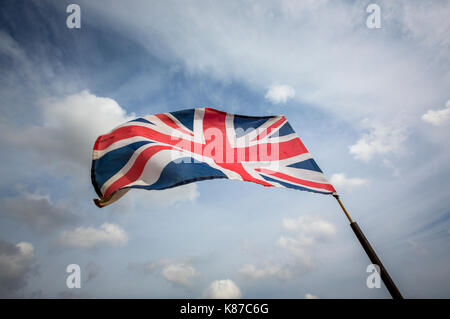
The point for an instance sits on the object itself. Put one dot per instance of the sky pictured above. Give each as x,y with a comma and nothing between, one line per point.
372,105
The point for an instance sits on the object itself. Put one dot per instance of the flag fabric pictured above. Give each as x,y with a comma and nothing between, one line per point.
166,150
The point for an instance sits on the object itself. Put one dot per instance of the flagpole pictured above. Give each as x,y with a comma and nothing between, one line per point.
388,282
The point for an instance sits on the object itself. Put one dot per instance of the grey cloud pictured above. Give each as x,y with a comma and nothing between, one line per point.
38,212
16,265
93,270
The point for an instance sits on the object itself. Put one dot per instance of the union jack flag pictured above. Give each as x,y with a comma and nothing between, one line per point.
166,150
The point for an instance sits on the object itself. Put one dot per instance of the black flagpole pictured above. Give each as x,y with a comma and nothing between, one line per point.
389,283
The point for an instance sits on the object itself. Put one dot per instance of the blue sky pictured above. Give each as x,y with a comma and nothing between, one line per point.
371,105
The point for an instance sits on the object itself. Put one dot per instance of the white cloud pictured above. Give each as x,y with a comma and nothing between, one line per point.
310,296
175,271
438,117
311,226
381,139
179,273
251,271
15,266
308,232
88,237
341,182
300,248
223,289
70,126
280,93
77,120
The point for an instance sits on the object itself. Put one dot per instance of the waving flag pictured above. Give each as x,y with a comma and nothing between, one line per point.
165,150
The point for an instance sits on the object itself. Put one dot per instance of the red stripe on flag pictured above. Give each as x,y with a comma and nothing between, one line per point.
238,168
125,132
270,129
168,121
136,169
302,182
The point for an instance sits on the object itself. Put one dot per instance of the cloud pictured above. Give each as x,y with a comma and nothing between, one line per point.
310,226
68,132
308,232
430,28
438,117
381,139
341,182
83,117
298,247
395,171
72,123
179,273
349,72
93,270
279,93
337,66
62,136
279,271
69,128
9,47
16,263
145,268
223,289
310,296
38,212
176,272
88,237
